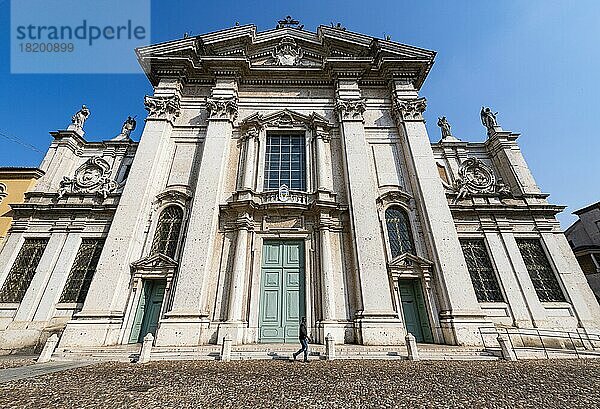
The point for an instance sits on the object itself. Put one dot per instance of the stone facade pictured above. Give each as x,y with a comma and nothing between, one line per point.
288,173
584,238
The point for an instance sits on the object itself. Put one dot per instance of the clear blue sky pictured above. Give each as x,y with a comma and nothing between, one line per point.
536,62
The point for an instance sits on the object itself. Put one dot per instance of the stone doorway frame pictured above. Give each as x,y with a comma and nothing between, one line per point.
154,267
410,267
251,333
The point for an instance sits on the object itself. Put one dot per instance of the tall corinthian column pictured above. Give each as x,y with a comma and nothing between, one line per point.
462,316
234,326
377,323
101,319
187,322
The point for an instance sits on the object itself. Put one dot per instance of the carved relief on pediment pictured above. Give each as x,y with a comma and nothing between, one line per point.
91,177
287,53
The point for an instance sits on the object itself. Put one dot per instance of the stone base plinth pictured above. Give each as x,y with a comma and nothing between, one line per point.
379,331
91,333
233,330
463,329
183,332
337,330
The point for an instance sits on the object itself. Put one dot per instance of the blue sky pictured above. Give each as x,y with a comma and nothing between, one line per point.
536,62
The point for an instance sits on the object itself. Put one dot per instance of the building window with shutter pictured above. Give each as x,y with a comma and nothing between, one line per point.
82,271
285,162
167,232
22,270
399,234
542,276
481,271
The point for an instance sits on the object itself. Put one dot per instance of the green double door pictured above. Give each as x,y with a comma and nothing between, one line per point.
148,310
413,308
281,291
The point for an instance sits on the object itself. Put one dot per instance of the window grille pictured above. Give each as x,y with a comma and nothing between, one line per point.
22,270
541,273
82,271
285,162
399,233
167,232
481,271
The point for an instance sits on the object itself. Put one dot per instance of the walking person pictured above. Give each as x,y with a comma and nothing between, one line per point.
304,340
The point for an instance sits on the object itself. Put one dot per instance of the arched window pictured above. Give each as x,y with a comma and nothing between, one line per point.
399,234
167,231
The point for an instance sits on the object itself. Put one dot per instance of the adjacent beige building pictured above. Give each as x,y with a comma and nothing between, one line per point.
14,182
282,174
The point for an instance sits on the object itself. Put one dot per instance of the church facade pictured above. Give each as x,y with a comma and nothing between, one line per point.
286,174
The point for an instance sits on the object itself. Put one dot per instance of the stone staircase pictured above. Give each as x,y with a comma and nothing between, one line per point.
130,352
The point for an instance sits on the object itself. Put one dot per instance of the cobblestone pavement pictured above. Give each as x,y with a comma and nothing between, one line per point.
15,361
339,384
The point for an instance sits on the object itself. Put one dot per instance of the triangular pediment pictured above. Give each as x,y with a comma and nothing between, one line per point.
154,262
407,260
283,49
285,118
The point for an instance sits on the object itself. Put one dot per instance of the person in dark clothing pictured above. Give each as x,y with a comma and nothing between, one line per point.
304,340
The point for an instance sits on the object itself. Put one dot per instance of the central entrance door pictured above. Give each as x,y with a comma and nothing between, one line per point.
281,291
148,311
413,308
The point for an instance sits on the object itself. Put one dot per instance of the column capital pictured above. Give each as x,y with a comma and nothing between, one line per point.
222,109
404,110
165,107
351,109
251,132
323,134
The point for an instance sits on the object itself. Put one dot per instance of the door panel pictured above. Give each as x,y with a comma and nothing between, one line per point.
282,295
416,320
149,309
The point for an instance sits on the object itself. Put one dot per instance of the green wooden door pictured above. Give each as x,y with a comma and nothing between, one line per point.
415,313
148,311
281,291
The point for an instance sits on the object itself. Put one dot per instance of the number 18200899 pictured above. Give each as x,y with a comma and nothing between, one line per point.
47,47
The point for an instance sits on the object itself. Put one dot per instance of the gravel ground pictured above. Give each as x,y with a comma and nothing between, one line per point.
15,361
318,384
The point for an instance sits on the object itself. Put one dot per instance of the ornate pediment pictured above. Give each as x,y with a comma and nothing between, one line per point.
154,262
409,262
242,49
286,119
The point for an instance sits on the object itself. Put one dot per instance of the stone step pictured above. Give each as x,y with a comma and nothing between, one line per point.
129,352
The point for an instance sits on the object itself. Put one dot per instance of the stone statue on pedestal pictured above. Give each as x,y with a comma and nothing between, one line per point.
126,129
79,118
488,119
445,127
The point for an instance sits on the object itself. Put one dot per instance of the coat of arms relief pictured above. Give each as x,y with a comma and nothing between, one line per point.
478,179
91,177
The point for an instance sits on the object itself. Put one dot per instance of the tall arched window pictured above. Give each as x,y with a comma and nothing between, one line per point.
399,233
167,231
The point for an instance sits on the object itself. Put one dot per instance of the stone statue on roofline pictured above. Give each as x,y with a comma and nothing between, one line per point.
446,132
488,119
126,129
78,120
444,126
